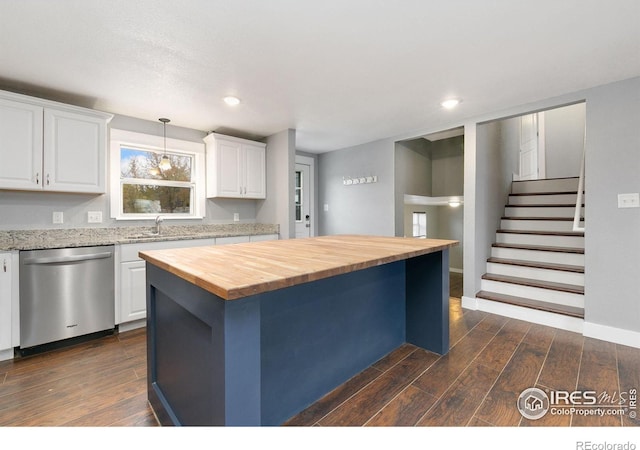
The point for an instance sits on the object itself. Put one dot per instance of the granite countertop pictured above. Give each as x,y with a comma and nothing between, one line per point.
86,237
249,269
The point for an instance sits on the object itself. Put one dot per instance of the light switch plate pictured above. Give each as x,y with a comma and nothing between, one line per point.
629,200
236,217
58,217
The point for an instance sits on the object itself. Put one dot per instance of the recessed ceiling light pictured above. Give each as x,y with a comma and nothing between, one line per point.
231,100
451,103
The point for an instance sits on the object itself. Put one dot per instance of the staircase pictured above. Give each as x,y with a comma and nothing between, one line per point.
537,261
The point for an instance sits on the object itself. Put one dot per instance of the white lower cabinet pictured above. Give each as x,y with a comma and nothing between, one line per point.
6,306
131,279
132,291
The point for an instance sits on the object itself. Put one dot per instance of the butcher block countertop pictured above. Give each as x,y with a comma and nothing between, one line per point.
240,270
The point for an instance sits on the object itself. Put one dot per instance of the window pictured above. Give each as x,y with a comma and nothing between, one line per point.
298,196
420,225
140,189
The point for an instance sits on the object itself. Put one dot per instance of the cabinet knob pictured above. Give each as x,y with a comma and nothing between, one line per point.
4,265
37,177
47,179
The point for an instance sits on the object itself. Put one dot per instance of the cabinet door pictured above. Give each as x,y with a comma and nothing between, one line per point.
229,175
133,291
20,145
74,152
254,174
5,301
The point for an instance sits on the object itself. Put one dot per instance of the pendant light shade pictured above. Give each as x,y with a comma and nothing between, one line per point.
165,163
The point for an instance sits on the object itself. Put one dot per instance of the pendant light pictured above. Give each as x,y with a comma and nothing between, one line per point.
165,163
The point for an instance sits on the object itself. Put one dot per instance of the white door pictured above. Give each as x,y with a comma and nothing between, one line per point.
529,147
303,200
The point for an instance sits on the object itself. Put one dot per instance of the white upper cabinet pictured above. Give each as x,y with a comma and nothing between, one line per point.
51,146
20,145
236,168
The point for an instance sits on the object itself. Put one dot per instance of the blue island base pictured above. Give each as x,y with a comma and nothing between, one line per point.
261,359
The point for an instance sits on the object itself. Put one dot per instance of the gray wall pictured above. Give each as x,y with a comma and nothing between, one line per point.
413,167
485,192
363,208
563,140
612,236
443,222
279,206
33,210
447,159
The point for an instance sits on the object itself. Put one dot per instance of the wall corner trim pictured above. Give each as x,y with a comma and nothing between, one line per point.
470,303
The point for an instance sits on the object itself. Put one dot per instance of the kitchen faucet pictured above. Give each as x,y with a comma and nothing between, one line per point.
159,220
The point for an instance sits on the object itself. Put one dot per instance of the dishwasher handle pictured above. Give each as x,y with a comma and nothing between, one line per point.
67,259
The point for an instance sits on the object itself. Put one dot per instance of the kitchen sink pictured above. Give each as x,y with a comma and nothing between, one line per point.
148,235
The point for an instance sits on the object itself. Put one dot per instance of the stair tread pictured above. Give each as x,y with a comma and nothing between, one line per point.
523,194
567,219
542,248
537,265
571,288
546,233
546,179
545,205
572,311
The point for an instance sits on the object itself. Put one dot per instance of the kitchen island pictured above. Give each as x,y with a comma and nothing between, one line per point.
251,334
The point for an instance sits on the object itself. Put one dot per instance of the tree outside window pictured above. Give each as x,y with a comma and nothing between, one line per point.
148,189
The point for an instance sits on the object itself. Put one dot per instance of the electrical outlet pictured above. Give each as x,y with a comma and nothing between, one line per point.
94,217
236,217
58,217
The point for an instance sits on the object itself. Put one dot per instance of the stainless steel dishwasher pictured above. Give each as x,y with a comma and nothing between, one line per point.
65,293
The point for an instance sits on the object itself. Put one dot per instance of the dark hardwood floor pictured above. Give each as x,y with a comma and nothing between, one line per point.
96,383
492,360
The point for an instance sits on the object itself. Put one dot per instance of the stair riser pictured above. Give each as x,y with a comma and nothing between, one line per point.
538,225
557,199
533,273
542,240
541,211
545,295
574,259
534,186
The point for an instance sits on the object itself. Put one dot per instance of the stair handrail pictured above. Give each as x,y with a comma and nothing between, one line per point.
578,210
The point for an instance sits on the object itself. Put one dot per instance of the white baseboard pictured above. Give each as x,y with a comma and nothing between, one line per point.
6,354
128,326
453,269
528,315
611,334
588,329
470,303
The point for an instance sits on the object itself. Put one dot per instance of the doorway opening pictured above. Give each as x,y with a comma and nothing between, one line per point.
430,187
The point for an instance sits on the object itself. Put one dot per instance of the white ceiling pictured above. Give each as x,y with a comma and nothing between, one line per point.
341,72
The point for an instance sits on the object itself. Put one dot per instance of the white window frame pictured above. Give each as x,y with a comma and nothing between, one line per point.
416,215
131,139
